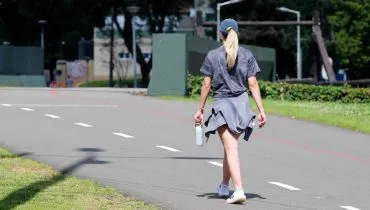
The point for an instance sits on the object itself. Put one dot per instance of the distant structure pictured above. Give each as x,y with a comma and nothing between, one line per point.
122,58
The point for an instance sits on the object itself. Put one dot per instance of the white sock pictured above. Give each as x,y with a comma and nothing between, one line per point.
239,191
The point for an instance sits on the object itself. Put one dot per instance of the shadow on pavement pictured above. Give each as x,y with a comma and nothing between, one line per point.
25,194
215,196
24,154
196,158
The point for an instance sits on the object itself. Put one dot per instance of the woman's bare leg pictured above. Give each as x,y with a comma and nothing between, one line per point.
226,171
229,140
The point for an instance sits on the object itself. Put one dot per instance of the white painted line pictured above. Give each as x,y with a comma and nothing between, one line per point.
65,105
52,116
285,186
349,207
84,125
27,109
7,105
168,148
216,163
123,135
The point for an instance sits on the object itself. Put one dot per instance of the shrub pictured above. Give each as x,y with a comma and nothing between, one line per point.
194,85
105,83
298,92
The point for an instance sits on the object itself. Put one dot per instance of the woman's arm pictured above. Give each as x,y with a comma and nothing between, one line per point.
206,86
255,90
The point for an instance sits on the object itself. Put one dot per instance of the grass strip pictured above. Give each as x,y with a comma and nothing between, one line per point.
27,184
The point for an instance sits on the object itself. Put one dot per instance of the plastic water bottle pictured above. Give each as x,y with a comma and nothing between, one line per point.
198,135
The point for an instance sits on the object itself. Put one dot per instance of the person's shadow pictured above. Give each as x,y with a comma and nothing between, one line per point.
26,193
215,196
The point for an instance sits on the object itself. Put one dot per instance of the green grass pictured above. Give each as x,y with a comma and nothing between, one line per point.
355,117
26,184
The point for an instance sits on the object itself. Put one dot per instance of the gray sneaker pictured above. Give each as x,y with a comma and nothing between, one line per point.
223,191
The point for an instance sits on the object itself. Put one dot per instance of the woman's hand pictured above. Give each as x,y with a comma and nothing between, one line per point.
261,119
198,117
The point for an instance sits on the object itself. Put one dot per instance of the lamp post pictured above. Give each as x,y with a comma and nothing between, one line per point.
111,49
219,5
299,53
133,10
42,23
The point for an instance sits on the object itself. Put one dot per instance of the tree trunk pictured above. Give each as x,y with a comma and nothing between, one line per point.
127,36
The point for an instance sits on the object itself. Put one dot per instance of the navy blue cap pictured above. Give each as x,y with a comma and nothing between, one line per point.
228,24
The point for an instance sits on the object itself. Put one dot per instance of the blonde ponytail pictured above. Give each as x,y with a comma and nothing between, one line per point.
231,45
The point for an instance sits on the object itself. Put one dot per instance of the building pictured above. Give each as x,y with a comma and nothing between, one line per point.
122,59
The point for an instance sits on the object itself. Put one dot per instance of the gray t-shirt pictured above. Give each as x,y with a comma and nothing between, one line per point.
233,82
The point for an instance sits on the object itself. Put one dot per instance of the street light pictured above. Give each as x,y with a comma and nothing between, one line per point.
299,54
42,23
219,5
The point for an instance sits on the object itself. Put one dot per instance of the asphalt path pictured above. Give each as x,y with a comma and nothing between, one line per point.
145,147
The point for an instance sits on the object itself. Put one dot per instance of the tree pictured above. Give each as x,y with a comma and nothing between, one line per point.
281,38
350,21
70,20
67,21
156,12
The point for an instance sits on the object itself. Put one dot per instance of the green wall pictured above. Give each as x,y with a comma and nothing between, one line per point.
169,65
22,81
21,66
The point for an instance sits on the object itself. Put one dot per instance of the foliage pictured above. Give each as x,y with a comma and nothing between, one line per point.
298,92
194,85
303,92
351,22
105,83
68,21
345,25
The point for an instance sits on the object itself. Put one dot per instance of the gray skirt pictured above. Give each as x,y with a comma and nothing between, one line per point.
235,112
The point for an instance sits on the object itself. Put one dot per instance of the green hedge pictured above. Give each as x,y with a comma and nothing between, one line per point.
298,92
105,83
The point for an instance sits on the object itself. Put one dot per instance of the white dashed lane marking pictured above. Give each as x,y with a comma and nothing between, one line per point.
216,163
123,135
285,186
27,109
6,105
349,207
83,125
52,116
168,148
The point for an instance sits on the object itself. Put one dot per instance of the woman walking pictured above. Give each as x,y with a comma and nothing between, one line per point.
233,70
